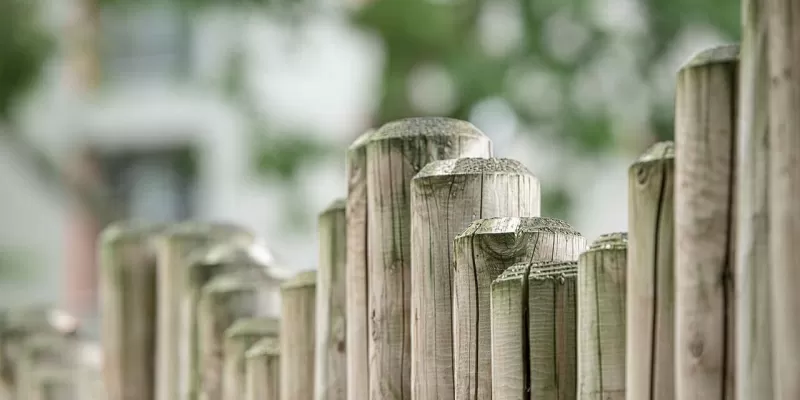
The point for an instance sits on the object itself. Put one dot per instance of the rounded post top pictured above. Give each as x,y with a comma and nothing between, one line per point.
715,55
129,230
611,241
301,280
552,270
268,346
473,166
212,230
232,282
517,225
260,326
658,152
362,140
512,273
338,204
254,254
425,126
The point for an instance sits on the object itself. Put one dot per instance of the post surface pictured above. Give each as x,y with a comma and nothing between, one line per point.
753,307
244,333
356,278
482,252
446,196
510,372
395,153
601,319
297,336
128,294
263,370
650,347
705,138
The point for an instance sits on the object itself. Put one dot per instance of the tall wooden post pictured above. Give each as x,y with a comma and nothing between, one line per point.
705,137
650,319
446,196
484,251
263,370
753,300
601,319
238,338
174,249
128,313
330,376
395,153
356,276
783,48
297,336
225,299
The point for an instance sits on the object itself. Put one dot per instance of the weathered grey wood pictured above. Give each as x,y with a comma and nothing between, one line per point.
482,252
54,383
263,370
225,299
753,322
446,196
90,372
650,308
508,313
395,153
128,310
174,248
601,319
42,352
244,333
356,271
330,376
705,137
297,336
219,259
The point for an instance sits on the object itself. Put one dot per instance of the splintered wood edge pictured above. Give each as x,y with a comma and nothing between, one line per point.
657,152
473,166
301,280
505,225
268,346
610,241
338,205
715,55
411,128
253,327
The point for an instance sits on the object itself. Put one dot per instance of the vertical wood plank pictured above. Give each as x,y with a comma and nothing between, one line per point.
482,252
650,311
509,317
263,373
297,336
395,153
705,137
244,333
601,319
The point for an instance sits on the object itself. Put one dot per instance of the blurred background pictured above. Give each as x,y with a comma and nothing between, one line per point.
241,111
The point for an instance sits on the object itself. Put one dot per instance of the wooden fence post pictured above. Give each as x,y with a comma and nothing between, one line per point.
705,138
297,336
225,299
238,338
174,247
395,153
650,319
533,313
90,371
601,319
207,263
753,322
263,370
44,352
128,310
446,196
53,383
356,271
330,376
484,251
783,48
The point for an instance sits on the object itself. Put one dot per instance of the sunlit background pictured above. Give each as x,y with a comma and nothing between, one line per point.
241,110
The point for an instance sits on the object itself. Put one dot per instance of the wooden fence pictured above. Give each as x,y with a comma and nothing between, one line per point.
439,279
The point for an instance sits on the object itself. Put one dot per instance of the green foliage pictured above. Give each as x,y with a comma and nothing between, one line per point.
283,155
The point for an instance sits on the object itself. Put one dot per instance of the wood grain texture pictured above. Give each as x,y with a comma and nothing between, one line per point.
297,336
203,265
395,153
446,196
753,300
482,252
263,370
127,281
650,308
705,138
330,376
174,247
783,48
356,274
509,329
244,333
224,300
601,318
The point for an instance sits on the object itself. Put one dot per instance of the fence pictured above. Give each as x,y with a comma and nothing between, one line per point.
439,279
